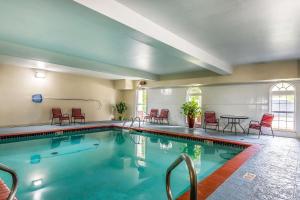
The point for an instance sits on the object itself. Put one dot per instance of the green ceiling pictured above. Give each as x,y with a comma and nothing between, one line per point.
66,33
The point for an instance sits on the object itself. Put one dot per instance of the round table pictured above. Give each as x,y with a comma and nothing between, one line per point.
233,120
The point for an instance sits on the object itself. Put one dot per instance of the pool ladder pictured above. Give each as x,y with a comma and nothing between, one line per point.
192,173
14,176
132,122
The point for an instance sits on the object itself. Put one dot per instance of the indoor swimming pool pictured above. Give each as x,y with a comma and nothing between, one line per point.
107,164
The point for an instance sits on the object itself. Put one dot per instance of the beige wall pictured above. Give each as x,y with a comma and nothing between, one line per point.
251,73
18,84
129,97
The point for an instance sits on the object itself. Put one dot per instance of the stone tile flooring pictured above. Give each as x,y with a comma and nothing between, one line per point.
276,166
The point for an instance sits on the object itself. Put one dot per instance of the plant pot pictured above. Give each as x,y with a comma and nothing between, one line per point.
191,121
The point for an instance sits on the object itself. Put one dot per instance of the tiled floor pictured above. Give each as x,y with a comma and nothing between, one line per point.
276,166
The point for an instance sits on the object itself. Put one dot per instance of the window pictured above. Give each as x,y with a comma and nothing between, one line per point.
195,93
141,102
283,106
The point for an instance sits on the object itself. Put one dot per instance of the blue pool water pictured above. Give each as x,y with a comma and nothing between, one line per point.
111,164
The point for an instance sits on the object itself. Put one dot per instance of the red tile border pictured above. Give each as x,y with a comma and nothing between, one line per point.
213,181
205,188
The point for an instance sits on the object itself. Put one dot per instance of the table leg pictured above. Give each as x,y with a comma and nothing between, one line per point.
231,125
235,122
241,126
226,125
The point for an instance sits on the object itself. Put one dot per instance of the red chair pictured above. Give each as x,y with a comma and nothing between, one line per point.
57,114
210,119
152,115
164,115
77,114
266,121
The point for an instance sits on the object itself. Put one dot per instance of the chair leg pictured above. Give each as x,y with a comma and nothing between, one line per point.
205,128
259,133
52,121
248,131
272,131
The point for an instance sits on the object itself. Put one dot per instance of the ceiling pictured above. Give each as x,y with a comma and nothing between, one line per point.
38,65
65,33
237,31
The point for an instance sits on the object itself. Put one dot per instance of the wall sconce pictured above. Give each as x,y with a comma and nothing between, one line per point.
40,74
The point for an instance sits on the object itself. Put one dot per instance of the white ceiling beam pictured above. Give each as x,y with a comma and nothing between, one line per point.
128,17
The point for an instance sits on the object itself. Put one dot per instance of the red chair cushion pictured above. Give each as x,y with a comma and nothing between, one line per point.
79,117
255,126
64,117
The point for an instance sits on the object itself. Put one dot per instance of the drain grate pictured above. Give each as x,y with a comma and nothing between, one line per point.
54,153
249,176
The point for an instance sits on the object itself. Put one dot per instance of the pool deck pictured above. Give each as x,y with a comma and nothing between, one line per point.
276,165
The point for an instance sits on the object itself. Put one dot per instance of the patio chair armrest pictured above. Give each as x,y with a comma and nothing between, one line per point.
254,122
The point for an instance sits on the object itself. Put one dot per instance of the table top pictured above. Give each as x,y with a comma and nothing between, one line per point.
233,117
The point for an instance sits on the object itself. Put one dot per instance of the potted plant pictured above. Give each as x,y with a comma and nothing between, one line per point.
191,110
121,109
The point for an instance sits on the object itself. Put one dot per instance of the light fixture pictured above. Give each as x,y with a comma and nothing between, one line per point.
37,183
40,74
41,65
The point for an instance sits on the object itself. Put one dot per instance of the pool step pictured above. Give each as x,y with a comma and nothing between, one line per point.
4,191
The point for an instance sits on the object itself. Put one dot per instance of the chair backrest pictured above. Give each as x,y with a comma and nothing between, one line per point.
153,112
267,120
56,112
164,113
76,112
210,117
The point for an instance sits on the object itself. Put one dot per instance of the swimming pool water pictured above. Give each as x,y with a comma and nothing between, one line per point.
107,165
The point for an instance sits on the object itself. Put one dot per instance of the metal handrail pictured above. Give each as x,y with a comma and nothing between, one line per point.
192,173
124,123
14,176
133,120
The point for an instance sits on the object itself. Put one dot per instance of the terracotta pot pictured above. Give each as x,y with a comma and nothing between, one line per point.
191,121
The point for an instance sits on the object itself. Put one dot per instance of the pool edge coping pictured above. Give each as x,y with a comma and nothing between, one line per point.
205,187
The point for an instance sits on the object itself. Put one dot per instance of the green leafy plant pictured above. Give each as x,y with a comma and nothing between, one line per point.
192,150
121,109
191,109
